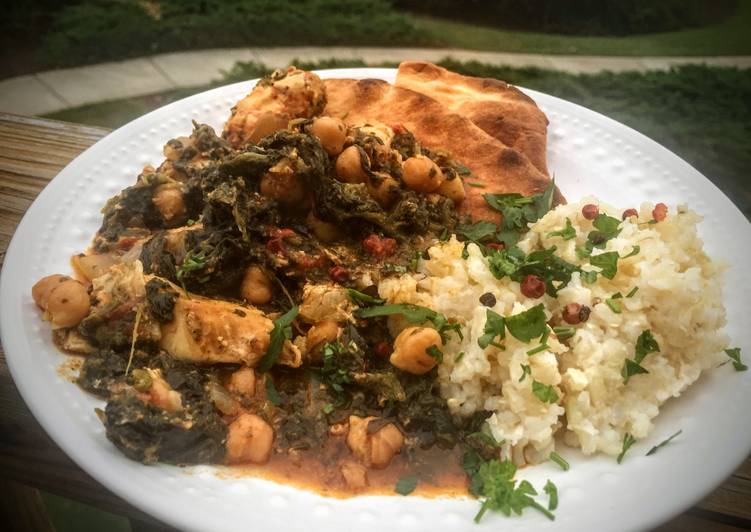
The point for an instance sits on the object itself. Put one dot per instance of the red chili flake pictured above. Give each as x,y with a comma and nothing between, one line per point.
660,212
305,261
532,286
398,128
275,245
496,245
278,235
282,232
572,313
339,274
379,247
628,213
382,349
590,211
126,242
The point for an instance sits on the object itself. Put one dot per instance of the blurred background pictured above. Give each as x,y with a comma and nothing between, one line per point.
679,71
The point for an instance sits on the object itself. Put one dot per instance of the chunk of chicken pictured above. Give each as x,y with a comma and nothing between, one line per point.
274,101
326,302
211,331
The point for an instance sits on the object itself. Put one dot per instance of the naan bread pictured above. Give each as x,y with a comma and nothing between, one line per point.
500,168
499,109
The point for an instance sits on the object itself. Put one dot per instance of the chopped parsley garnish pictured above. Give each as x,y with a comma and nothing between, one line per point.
406,485
508,261
633,291
477,185
333,374
552,492
518,211
494,327
526,370
544,392
390,267
459,357
477,232
607,262
645,344
191,263
282,331
558,459
271,393
564,332
735,356
436,353
485,436
628,441
606,228
528,324
328,408
493,480
539,349
567,233
360,297
633,252
613,305
662,444
543,263
583,253
414,314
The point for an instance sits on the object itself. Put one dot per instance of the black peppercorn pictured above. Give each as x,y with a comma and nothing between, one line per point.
487,299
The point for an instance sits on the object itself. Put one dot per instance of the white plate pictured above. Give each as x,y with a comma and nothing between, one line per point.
588,154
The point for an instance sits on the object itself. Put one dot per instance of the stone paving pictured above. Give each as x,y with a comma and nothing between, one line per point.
55,90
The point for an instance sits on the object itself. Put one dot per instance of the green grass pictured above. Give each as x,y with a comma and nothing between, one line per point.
701,113
731,37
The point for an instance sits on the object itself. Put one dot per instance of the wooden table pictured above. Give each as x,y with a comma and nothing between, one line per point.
33,151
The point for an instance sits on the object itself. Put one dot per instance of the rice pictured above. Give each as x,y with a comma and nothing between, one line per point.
678,299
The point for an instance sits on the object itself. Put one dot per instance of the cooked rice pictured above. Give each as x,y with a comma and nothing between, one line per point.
678,299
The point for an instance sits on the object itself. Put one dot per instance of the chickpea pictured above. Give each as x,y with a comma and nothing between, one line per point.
325,231
266,123
283,184
420,173
410,350
249,439
384,188
453,189
320,334
92,266
349,166
161,395
256,287
385,443
168,200
175,147
41,290
67,304
243,382
331,132
377,449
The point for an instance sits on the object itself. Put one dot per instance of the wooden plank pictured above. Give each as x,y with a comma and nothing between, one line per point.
22,509
33,151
